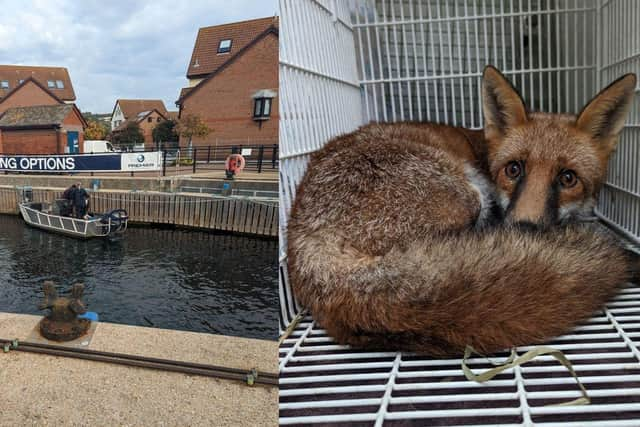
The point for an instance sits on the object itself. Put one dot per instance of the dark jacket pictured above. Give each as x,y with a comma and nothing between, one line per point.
68,193
79,197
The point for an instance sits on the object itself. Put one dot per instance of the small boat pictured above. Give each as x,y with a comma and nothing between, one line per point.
47,216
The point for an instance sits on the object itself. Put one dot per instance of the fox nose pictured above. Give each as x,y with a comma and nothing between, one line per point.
533,200
529,219
532,211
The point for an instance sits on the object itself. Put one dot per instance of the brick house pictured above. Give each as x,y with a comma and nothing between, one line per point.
44,129
29,92
37,114
55,79
233,83
147,120
129,109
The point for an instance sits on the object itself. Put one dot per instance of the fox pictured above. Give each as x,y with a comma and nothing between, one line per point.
429,238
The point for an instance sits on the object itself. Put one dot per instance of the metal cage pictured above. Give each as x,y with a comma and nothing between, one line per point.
345,63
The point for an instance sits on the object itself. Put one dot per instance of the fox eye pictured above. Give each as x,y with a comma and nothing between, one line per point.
567,178
514,169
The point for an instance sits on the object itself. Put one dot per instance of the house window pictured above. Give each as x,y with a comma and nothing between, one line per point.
150,119
51,84
158,120
4,84
59,84
224,46
262,108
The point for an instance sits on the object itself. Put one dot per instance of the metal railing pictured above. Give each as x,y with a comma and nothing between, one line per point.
34,214
201,159
178,160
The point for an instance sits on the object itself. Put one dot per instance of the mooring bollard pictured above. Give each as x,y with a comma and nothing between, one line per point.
62,323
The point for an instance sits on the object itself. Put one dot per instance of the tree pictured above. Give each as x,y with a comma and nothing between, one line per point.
128,137
96,130
190,126
165,132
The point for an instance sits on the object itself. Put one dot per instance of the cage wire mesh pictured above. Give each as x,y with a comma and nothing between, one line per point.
345,63
423,60
320,99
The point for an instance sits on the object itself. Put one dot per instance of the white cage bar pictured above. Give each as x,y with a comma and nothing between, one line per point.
320,99
619,204
345,63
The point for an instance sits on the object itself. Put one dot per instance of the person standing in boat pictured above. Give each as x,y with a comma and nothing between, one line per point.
80,201
67,206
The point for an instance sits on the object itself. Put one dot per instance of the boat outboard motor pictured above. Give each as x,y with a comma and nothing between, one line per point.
118,218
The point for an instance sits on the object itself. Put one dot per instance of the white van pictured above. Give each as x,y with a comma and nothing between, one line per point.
98,146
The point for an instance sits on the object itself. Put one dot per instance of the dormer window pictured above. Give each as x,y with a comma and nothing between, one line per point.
224,46
59,84
4,84
51,84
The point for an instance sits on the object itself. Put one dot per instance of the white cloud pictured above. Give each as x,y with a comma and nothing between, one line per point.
120,49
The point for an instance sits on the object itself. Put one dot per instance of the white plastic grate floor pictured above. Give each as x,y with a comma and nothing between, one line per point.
325,383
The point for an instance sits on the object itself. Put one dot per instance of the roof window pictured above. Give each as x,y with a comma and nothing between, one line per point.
224,46
59,84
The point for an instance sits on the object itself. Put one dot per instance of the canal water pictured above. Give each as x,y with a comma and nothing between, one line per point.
174,279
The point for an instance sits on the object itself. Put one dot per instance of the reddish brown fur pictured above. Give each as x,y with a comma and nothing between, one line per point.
383,251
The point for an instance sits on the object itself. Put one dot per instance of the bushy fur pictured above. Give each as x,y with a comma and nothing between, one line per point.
396,241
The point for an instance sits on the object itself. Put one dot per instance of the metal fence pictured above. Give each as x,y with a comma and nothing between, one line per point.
346,63
203,159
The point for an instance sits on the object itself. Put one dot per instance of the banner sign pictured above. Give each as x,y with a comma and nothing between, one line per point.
110,162
142,161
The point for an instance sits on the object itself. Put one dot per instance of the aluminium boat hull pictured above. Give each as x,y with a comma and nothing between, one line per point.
41,215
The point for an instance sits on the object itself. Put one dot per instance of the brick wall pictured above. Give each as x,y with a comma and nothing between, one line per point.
147,126
27,95
42,141
37,141
225,104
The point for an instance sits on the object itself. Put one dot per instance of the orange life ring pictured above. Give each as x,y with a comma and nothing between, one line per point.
234,163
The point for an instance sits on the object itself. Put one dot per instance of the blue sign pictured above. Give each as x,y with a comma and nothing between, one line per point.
62,163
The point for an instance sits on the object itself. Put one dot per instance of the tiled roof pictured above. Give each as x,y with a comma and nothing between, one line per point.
14,73
205,58
131,107
141,116
39,115
186,92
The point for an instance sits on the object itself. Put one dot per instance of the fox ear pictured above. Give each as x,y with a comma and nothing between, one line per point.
503,107
603,117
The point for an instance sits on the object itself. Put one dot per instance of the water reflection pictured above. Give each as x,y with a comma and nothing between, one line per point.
163,278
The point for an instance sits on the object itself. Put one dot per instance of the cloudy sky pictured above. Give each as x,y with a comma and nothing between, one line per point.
119,48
